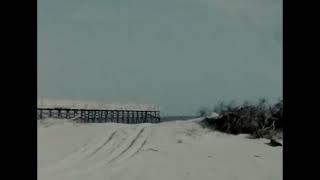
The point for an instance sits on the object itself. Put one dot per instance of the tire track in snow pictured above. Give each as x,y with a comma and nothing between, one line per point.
151,131
136,152
79,155
129,146
128,142
118,145
104,144
123,143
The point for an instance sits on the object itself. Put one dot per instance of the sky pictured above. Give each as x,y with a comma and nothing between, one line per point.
179,54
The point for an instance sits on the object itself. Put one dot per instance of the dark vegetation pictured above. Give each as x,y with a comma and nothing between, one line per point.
260,120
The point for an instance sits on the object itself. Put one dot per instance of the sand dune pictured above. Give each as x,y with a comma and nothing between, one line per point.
178,150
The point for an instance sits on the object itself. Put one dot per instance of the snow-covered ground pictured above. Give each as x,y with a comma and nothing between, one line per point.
176,150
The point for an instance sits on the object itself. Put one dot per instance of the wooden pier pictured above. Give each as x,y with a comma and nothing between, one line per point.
100,115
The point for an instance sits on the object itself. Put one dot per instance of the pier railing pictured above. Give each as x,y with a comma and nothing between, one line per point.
100,116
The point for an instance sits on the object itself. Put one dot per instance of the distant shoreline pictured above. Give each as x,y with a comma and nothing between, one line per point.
176,118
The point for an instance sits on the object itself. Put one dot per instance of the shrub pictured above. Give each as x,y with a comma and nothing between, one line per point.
258,120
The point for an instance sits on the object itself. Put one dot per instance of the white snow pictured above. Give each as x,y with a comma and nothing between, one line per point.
177,150
212,115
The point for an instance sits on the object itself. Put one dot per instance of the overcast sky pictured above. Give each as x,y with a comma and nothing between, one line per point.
180,54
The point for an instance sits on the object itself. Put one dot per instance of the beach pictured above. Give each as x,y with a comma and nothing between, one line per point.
175,150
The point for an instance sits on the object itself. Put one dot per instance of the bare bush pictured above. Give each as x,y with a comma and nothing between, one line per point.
259,120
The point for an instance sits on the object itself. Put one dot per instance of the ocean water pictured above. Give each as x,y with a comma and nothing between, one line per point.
176,118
